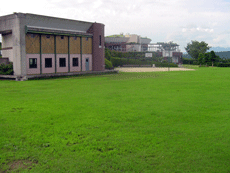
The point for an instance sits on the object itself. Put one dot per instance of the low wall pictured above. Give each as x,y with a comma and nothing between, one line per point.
4,61
53,75
136,66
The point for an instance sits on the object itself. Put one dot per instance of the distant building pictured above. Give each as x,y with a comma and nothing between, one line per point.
135,43
127,43
169,51
39,44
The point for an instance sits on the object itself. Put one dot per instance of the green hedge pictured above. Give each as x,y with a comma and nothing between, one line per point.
215,64
188,61
115,61
195,63
223,65
158,64
108,64
126,61
6,69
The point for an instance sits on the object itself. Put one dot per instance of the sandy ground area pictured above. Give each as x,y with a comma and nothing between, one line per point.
149,69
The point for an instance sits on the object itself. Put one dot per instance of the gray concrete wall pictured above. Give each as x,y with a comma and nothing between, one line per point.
58,23
6,23
19,52
7,42
15,24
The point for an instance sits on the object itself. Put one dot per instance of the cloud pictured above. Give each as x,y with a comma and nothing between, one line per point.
178,20
197,29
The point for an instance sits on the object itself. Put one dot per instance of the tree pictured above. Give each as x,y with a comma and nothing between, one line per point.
213,57
201,59
108,64
195,48
207,60
107,54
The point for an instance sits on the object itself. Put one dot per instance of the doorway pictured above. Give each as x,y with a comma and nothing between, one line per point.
87,64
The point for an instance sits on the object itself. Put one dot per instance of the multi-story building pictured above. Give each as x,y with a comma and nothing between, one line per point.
169,51
127,43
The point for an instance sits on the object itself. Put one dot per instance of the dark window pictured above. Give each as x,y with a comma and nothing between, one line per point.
33,62
99,40
86,38
62,37
75,62
47,36
62,62
75,38
48,62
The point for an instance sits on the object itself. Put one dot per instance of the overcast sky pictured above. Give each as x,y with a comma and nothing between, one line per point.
179,21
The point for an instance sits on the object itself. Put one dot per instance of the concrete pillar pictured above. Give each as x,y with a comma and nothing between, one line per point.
19,51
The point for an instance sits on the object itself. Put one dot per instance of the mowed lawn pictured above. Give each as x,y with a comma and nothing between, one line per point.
127,122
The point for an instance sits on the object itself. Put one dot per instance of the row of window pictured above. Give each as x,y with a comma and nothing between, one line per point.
48,62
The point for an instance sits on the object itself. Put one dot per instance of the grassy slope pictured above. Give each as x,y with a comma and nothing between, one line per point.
130,122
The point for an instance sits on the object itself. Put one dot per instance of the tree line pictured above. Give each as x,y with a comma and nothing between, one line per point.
200,56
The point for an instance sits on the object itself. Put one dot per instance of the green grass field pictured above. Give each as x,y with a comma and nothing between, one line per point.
191,66
127,122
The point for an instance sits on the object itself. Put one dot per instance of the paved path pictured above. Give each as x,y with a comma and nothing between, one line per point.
150,69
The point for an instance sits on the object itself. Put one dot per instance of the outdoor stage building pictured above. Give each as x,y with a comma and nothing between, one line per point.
37,44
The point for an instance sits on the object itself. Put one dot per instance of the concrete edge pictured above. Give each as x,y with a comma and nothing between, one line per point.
50,75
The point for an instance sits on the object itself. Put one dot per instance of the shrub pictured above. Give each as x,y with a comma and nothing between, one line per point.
108,64
116,61
187,61
209,63
216,64
6,69
223,65
164,64
107,53
195,63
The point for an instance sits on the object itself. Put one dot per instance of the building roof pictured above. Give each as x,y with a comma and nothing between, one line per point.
33,29
54,22
41,22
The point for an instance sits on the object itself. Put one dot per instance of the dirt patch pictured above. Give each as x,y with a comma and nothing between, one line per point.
19,165
150,69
